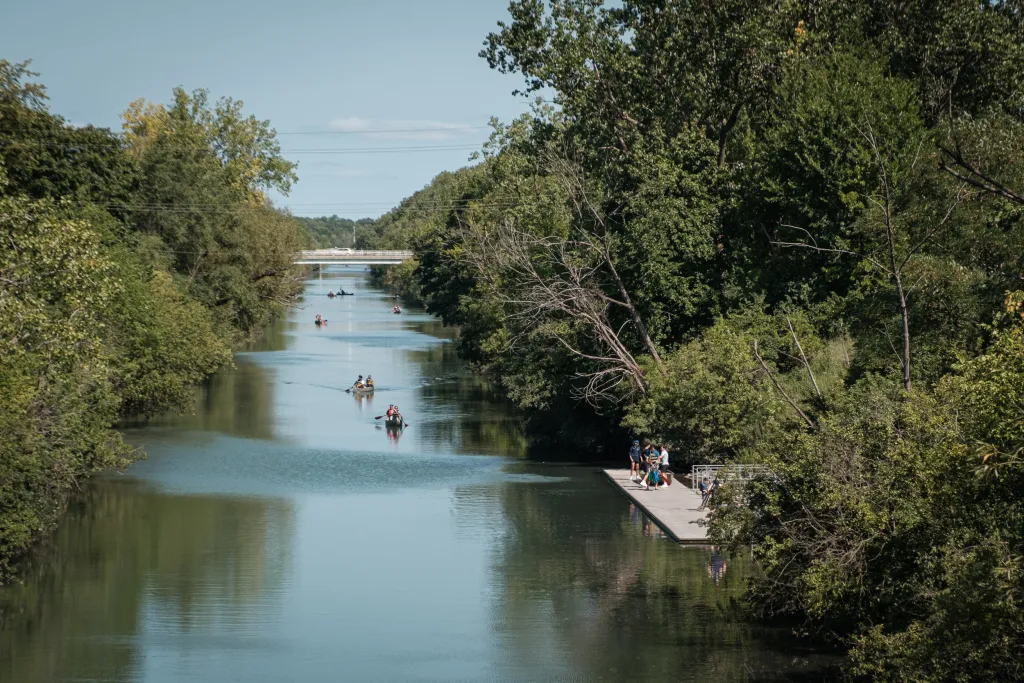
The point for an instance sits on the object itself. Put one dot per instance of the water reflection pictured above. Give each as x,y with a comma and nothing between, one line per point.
238,401
584,584
127,561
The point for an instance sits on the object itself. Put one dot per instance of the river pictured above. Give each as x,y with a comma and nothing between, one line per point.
282,534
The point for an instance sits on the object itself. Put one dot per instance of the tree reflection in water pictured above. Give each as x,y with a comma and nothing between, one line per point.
125,559
468,414
584,583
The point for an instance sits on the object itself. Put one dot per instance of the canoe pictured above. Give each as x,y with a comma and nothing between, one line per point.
345,294
362,390
394,422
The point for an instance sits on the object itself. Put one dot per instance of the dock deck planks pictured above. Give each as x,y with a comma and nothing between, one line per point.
673,508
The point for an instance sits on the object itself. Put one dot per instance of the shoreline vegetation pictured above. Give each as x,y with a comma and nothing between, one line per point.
781,234
133,264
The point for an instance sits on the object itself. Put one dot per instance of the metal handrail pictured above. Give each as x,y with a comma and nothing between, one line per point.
709,472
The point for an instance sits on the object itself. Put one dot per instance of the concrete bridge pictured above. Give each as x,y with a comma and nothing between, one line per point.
349,257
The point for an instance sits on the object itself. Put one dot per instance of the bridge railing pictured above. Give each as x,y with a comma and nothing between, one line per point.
709,473
355,255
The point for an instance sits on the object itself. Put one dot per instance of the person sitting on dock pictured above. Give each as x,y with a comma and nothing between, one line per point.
634,461
709,498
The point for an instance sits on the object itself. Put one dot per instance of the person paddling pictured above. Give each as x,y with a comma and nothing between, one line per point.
369,381
359,382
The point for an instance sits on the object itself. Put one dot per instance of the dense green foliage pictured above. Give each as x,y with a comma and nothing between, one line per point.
781,233
132,265
331,231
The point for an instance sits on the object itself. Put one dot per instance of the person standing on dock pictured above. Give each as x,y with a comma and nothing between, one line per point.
666,474
634,461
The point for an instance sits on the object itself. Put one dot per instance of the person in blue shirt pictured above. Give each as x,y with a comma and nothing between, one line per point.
634,461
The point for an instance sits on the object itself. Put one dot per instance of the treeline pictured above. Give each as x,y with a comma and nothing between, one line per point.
324,232
132,264
779,233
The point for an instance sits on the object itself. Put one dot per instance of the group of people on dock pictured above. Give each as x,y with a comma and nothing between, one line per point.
649,466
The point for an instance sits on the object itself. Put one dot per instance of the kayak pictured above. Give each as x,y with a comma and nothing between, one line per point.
395,421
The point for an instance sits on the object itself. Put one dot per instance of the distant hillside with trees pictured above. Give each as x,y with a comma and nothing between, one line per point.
332,231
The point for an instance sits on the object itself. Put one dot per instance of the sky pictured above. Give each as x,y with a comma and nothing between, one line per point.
329,75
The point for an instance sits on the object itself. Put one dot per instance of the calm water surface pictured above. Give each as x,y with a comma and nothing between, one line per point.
281,534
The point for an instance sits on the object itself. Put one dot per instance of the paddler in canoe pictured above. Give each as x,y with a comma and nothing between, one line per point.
394,417
361,387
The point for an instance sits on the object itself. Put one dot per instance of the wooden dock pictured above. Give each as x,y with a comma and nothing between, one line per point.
673,508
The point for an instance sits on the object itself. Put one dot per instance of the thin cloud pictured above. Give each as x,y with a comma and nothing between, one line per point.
402,129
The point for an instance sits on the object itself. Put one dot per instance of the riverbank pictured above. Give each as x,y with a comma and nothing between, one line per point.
115,302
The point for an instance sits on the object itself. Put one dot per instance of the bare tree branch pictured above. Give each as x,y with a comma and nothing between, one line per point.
782,391
807,365
962,170
544,283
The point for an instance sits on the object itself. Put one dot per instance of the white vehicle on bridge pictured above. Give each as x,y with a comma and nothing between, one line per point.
339,250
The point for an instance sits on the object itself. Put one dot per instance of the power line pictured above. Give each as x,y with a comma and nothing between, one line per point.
305,150
312,207
375,131
452,129
356,151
